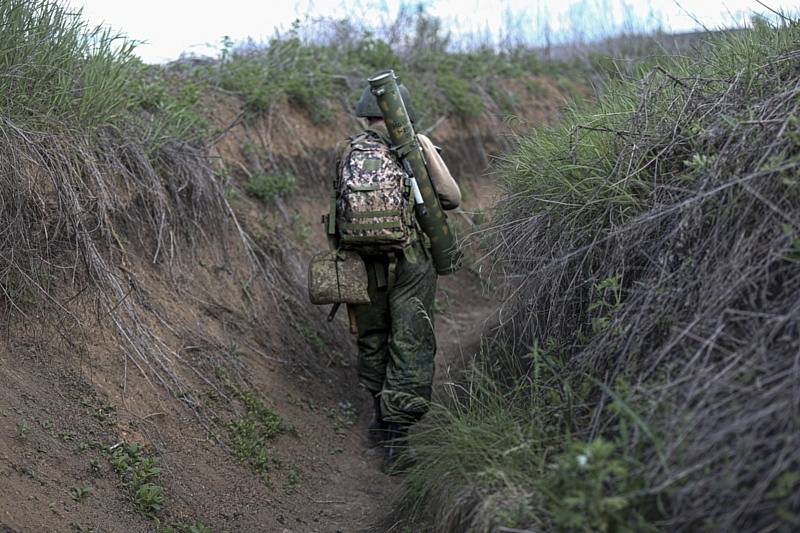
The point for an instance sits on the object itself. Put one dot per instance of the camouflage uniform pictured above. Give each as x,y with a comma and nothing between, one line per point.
396,341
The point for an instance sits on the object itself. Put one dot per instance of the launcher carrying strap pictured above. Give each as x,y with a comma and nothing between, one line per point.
402,150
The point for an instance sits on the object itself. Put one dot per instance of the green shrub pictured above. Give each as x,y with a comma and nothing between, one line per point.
60,72
459,95
268,186
149,498
631,230
284,68
316,62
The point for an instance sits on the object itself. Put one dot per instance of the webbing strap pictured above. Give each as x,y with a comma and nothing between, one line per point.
392,271
380,276
332,216
345,226
338,280
391,238
369,187
375,214
404,149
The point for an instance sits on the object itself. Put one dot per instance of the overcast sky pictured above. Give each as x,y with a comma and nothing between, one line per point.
171,27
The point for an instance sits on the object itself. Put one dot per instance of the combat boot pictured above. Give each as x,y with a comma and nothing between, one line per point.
398,456
376,432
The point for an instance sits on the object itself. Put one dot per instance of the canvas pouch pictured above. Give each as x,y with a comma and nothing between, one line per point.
339,276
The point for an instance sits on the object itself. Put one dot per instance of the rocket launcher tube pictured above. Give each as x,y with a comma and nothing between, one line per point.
445,252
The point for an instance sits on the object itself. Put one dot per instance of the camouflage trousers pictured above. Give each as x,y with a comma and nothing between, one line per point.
396,341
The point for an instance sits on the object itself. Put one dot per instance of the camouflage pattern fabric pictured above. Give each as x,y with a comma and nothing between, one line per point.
373,212
396,341
337,277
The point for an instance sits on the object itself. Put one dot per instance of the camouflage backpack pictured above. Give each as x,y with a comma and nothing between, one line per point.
373,210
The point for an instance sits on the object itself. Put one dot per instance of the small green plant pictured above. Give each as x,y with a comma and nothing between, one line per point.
338,359
23,429
66,436
233,350
311,335
79,494
608,298
94,468
149,498
302,231
138,473
251,433
697,165
105,414
293,479
343,418
596,489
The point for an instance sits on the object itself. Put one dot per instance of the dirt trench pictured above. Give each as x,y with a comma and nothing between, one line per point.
66,401
358,496
62,410
64,405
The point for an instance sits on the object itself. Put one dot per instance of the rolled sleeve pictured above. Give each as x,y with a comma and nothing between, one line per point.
444,183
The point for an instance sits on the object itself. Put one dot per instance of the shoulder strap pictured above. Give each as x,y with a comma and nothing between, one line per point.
355,138
331,226
330,219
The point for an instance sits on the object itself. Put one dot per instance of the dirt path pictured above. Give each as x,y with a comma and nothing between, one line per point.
354,495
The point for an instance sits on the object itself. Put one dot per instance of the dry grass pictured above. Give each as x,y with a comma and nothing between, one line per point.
93,187
672,268
651,250
74,208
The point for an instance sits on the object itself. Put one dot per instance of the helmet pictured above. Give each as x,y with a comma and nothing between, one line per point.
367,105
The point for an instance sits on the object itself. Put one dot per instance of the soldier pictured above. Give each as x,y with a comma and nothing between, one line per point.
395,333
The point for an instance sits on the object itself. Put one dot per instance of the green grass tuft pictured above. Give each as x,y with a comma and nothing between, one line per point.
509,438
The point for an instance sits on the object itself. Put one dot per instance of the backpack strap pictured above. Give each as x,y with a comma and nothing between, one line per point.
331,222
385,279
359,137
329,219
391,271
380,275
